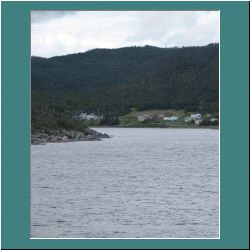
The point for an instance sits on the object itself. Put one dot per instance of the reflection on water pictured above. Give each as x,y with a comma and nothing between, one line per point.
141,183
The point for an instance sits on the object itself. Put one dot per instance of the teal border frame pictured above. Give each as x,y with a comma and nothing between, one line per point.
234,126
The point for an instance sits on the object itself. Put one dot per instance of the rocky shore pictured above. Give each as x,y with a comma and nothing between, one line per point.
65,136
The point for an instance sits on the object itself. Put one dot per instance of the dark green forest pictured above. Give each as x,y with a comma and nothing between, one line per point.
112,81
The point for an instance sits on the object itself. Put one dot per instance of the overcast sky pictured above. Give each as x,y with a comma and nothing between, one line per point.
55,33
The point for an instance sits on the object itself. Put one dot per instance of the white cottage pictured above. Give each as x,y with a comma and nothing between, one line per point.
142,118
171,118
196,116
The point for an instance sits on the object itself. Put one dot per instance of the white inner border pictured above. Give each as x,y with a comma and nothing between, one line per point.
217,238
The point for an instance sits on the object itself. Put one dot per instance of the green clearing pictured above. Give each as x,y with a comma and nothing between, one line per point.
131,119
136,113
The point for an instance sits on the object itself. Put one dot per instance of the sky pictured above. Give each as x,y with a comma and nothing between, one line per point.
56,33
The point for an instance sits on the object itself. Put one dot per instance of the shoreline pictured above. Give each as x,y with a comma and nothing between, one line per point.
170,127
62,136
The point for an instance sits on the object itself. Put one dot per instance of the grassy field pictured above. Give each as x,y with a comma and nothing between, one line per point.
156,112
131,119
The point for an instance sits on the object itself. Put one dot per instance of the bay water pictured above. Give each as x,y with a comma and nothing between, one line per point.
140,183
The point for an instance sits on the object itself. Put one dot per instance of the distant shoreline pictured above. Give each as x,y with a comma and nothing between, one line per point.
124,126
41,138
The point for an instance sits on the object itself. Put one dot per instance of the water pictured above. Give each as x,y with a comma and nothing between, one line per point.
141,183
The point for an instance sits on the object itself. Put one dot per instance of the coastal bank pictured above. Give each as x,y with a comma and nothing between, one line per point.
63,135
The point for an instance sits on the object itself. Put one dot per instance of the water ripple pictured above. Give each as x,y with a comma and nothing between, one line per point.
141,183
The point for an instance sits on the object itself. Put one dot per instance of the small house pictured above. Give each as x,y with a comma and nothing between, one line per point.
84,116
142,118
196,116
172,118
91,117
80,116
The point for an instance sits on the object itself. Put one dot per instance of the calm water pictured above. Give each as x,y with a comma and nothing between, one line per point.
141,183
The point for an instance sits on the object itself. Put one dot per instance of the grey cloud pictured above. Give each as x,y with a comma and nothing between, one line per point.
52,34
169,28
45,16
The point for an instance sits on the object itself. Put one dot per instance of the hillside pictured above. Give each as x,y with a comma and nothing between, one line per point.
115,80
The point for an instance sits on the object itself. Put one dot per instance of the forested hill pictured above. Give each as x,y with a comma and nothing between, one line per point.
115,80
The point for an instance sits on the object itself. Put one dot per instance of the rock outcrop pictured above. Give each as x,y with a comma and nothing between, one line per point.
66,136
